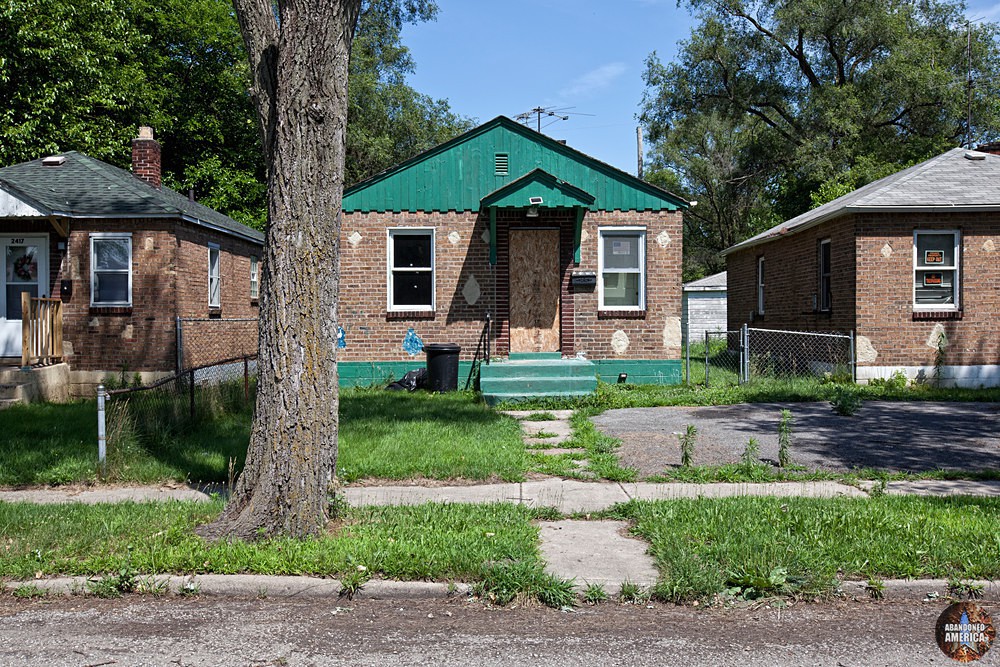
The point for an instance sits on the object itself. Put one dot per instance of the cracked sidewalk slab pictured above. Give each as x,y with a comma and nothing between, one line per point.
596,553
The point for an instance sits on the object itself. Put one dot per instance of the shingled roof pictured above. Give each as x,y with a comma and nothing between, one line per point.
958,180
79,186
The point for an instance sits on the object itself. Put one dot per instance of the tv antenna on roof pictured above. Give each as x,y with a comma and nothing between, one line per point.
547,112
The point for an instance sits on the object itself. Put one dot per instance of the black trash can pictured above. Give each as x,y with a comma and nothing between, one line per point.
442,366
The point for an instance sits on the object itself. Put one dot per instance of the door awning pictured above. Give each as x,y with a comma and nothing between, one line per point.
538,189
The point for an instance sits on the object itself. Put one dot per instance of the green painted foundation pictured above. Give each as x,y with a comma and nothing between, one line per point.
524,376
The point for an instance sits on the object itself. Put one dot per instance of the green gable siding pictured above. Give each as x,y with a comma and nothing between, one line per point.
458,174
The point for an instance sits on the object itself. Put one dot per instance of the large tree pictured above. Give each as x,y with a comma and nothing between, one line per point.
298,52
773,107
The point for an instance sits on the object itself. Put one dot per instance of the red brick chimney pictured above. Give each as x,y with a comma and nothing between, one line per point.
146,157
992,147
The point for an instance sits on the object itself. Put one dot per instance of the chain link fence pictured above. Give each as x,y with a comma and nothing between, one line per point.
153,416
204,342
739,357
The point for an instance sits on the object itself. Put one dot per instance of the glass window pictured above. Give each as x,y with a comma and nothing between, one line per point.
254,277
214,277
935,270
623,269
411,269
825,297
111,269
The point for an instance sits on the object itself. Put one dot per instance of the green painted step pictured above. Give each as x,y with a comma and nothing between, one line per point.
547,384
534,356
539,368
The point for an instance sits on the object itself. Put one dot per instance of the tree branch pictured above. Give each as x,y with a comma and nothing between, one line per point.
798,52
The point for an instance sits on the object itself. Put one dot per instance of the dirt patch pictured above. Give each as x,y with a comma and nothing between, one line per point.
890,436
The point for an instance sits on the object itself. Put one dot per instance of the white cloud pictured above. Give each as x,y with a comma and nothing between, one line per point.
593,81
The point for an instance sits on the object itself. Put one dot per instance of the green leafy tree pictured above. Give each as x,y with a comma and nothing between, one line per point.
810,99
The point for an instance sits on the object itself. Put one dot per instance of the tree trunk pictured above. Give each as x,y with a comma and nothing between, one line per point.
299,61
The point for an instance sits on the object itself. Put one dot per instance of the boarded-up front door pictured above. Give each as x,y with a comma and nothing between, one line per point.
534,290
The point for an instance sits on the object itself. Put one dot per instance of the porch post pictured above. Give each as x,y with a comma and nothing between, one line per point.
578,233
493,235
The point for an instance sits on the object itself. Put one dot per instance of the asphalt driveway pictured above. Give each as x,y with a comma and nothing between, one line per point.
891,436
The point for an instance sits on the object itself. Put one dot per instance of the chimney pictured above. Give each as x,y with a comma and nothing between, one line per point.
992,147
146,157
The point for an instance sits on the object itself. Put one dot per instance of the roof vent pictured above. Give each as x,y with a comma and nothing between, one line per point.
53,160
501,164
973,155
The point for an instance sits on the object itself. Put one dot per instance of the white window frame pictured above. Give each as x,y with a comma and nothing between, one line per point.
254,277
639,231
214,247
390,246
825,278
104,236
918,265
761,282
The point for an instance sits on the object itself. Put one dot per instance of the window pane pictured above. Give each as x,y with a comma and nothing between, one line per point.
110,288
936,250
935,288
412,250
213,261
111,254
14,299
411,288
214,291
621,289
621,251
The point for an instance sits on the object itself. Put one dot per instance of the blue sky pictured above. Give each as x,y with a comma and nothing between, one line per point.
504,58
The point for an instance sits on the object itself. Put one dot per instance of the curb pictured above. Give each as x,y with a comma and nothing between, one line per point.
281,587
254,585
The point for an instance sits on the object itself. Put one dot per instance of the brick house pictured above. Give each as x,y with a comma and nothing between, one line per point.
569,257
126,257
908,262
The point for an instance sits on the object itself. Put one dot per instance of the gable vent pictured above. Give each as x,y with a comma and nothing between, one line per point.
501,164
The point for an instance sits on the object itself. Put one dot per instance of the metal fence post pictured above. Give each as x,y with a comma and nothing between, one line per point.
102,437
707,341
180,345
246,379
191,396
854,363
744,354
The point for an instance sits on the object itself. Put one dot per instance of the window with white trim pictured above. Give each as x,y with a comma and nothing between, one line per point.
411,269
254,277
214,276
111,269
936,269
825,296
622,265
760,285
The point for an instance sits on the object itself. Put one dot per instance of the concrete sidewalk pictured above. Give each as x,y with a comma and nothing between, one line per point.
569,496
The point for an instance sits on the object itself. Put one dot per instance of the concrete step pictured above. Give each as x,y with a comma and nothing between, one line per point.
8,402
539,368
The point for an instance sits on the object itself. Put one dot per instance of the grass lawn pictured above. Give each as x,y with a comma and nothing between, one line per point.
425,542
756,547
389,435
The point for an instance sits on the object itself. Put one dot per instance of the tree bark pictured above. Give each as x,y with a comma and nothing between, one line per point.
299,60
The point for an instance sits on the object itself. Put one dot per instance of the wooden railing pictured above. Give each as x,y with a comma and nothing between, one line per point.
41,331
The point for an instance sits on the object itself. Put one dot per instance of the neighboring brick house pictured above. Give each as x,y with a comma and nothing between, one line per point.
569,256
127,257
901,262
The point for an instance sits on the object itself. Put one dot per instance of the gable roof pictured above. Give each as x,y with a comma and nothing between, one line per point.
553,192
458,174
80,186
714,283
957,180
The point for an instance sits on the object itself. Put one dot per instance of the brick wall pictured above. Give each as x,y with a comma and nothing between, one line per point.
462,255
164,283
880,246
791,281
885,273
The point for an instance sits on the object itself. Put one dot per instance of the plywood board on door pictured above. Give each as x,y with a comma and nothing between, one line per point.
534,290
